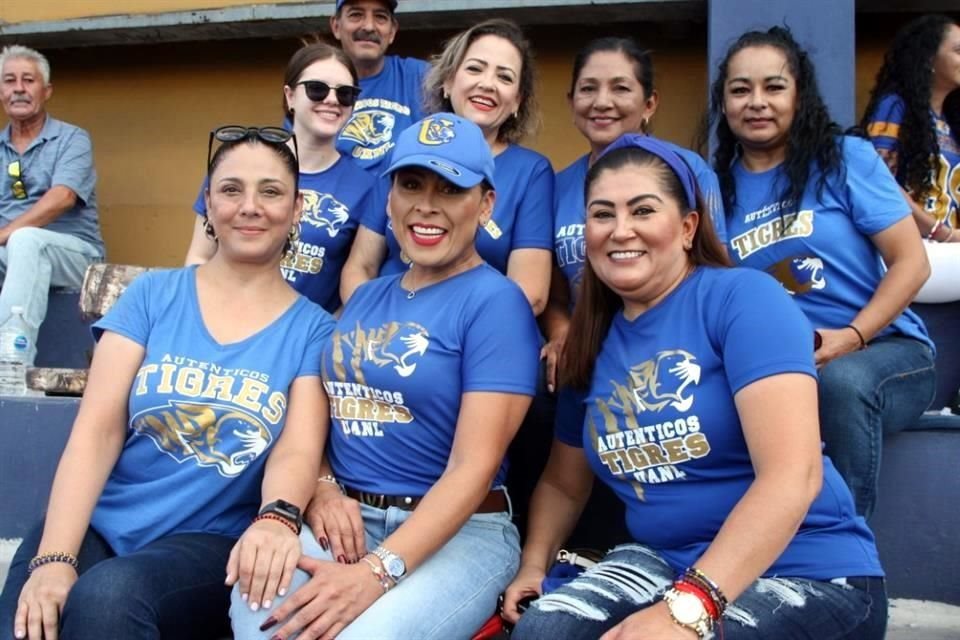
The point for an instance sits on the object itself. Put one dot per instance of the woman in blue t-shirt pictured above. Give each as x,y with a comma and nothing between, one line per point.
691,392
203,405
319,92
819,211
611,93
486,75
913,119
429,373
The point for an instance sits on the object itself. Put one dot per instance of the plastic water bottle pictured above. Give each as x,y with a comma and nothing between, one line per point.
17,352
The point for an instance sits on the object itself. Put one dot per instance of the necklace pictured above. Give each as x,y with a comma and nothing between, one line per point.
412,291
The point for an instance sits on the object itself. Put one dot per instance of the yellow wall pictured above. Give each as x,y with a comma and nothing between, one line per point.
13,11
149,110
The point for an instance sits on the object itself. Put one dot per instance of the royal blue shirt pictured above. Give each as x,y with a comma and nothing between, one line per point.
820,248
202,416
389,102
659,424
397,367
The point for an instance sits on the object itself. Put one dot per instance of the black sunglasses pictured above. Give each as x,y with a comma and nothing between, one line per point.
235,132
318,90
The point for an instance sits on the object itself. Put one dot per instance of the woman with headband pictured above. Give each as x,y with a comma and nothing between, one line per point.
429,373
692,393
318,96
203,408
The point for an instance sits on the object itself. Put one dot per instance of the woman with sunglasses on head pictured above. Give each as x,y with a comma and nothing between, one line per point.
486,75
611,93
202,422
818,211
409,528
692,393
913,119
318,96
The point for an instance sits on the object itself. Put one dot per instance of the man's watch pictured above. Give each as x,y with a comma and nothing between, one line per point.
285,510
688,611
393,564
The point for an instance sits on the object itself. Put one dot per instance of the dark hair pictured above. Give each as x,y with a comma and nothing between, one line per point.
813,136
306,56
447,62
906,73
640,57
281,149
597,303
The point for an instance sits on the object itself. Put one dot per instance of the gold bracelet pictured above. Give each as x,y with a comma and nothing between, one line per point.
385,583
55,556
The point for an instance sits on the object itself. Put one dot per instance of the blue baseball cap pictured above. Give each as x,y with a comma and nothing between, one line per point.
390,3
450,146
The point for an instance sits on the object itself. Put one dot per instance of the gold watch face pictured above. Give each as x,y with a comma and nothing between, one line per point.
687,608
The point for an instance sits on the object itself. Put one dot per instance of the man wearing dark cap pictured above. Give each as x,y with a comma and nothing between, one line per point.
391,98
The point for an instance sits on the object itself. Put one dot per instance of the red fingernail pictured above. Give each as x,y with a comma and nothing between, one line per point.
324,544
269,622
276,637
341,559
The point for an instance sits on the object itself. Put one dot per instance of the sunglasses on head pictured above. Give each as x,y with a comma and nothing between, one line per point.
19,189
318,90
236,132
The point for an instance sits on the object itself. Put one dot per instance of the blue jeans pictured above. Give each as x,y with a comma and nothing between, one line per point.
172,588
633,577
448,597
865,394
32,261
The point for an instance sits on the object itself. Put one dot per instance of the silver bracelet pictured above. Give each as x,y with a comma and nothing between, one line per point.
330,478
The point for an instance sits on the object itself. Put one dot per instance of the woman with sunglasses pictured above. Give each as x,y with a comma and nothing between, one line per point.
410,533
913,119
318,97
204,406
486,75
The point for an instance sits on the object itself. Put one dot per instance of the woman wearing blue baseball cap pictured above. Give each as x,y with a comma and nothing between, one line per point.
691,391
429,374
486,75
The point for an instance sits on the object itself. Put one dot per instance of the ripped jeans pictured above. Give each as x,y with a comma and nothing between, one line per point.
632,577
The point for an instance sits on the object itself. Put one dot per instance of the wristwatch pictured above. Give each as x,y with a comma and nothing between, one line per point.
688,611
393,564
285,510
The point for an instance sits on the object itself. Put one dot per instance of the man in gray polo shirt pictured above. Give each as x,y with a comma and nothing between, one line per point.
49,230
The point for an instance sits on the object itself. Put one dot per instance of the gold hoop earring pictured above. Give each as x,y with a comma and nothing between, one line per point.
292,245
644,124
208,230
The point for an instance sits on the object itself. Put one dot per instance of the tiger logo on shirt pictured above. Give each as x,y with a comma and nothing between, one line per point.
323,211
369,128
209,435
799,274
664,380
400,348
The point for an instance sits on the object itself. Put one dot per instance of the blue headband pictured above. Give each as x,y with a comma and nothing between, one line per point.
663,151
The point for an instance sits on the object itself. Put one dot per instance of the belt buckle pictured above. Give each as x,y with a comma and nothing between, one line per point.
376,500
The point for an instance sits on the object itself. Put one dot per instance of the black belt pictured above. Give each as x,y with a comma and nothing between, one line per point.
493,502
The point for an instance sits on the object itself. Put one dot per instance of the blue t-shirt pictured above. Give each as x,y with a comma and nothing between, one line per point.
202,415
521,215
389,102
333,202
821,251
397,367
943,199
660,426
570,212
60,155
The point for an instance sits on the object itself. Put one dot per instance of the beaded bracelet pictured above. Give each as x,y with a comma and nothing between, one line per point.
699,578
385,582
280,519
55,556
863,343
703,595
